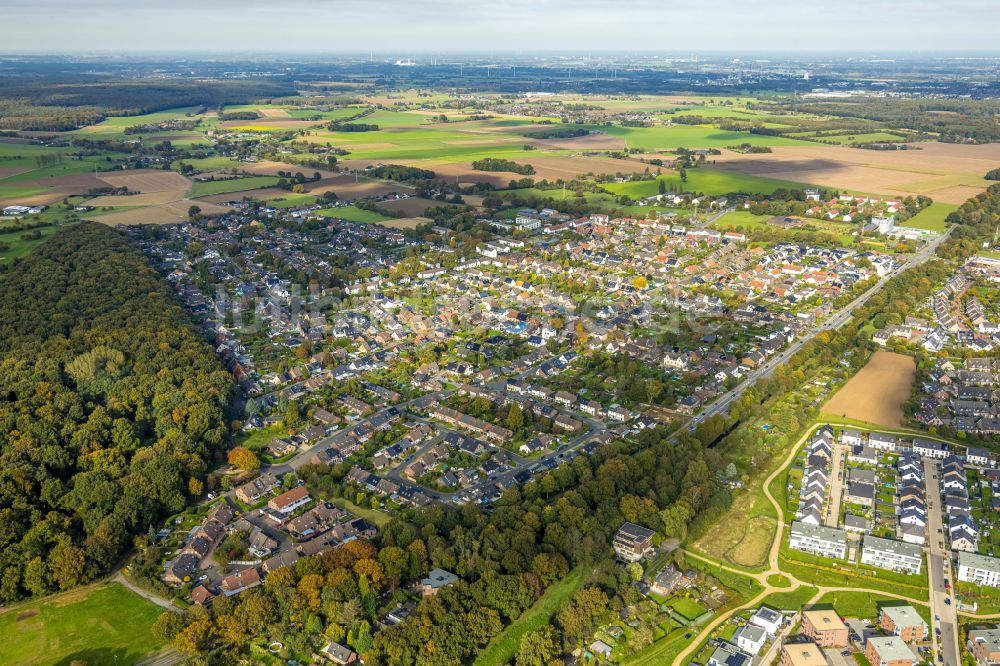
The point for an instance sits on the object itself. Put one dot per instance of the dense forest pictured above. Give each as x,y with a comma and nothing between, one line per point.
977,220
111,408
950,120
57,103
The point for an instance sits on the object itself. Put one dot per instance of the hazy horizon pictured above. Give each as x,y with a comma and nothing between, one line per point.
450,26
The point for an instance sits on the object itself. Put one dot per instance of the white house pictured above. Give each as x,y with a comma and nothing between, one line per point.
979,569
750,638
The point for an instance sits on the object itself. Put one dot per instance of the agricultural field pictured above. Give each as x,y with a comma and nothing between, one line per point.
100,624
948,173
702,179
876,394
208,188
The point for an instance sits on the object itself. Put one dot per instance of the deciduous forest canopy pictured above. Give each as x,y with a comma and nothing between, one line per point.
110,403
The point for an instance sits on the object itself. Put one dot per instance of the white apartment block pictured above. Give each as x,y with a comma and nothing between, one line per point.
822,541
893,555
979,569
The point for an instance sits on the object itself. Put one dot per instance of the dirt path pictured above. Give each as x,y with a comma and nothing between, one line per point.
148,596
773,565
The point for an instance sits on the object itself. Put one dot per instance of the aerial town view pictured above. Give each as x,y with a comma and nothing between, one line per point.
483,334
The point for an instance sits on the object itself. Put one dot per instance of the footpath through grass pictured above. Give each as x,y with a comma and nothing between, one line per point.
104,624
504,646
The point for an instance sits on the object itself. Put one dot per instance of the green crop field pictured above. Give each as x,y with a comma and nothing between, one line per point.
96,625
702,179
117,124
353,214
504,646
235,185
694,136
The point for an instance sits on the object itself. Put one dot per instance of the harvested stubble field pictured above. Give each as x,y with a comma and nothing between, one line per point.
167,213
949,173
50,190
269,168
265,124
273,113
405,222
409,207
146,180
876,394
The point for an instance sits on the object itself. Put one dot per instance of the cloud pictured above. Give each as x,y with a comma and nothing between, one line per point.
489,25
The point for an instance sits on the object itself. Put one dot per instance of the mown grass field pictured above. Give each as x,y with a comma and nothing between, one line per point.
932,217
106,624
354,214
504,646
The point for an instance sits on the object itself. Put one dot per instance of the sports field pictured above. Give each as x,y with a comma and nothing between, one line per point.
104,624
876,394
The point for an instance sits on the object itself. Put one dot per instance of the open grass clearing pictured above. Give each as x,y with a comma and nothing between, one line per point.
102,624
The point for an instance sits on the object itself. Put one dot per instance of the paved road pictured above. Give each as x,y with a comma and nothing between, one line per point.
836,486
939,568
722,402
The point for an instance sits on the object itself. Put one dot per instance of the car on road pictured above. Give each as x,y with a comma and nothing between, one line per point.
947,601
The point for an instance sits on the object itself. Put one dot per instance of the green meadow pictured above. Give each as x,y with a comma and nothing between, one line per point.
702,179
354,214
105,624
932,217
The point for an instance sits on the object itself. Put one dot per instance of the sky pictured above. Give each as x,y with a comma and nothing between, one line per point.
442,26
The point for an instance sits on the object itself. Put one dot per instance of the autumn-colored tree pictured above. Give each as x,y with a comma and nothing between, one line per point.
243,458
67,563
195,638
